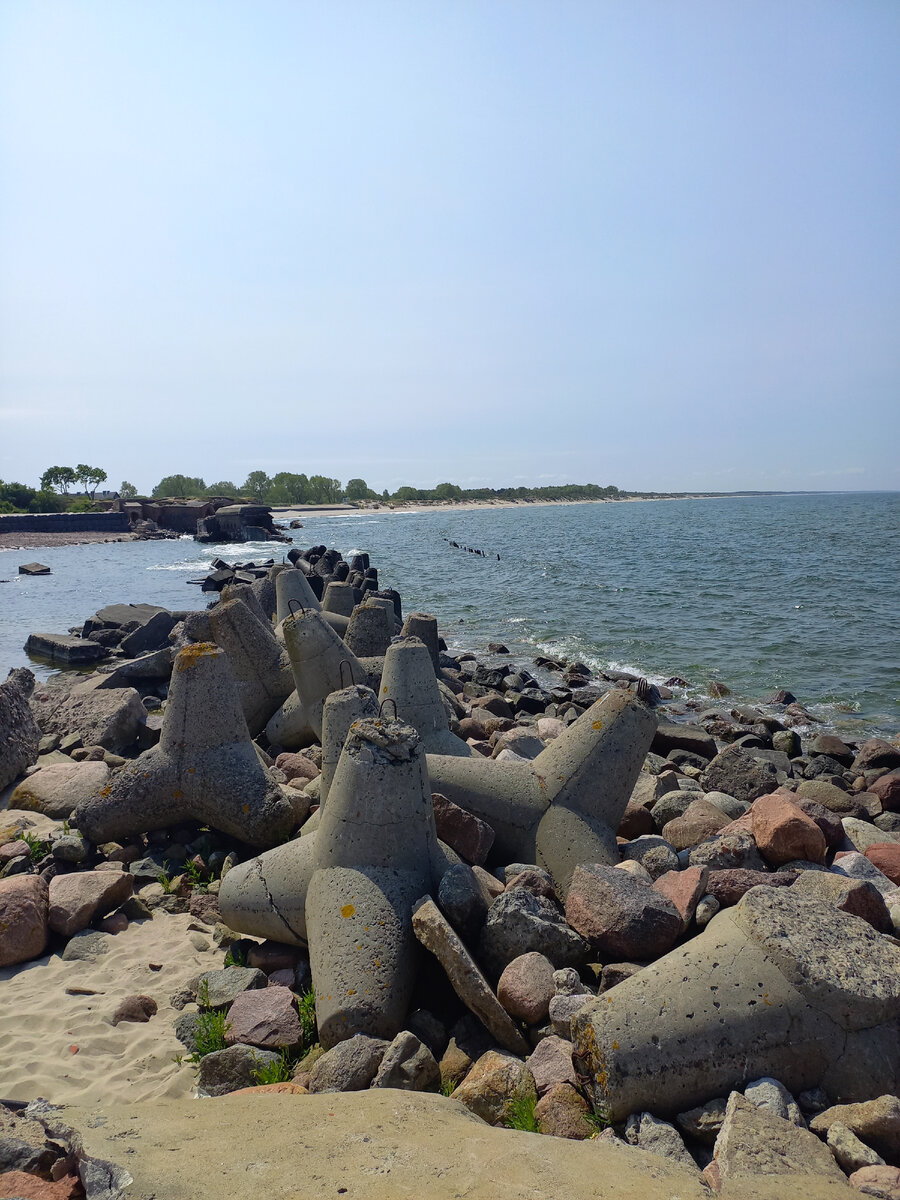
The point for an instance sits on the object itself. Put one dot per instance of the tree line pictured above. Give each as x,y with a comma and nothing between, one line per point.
286,488
55,493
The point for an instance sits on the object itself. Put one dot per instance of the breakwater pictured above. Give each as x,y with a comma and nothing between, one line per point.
68,522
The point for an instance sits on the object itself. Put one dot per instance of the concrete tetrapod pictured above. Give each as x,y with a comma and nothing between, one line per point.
205,767
409,680
375,847
258,661
291,584
321,662
245,593
564,807
340,711
780,986
424,626
370,629
339,598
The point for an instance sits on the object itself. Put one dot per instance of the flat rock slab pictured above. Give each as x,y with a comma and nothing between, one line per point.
34,568
56,790
381,1145
64,648
437,935
754,1143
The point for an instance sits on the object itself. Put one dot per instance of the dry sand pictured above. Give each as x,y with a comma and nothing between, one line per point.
49,1006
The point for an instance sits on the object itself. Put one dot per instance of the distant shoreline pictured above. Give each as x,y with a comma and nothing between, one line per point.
417,506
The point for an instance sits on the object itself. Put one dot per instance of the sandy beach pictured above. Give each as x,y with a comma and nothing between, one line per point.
55,1028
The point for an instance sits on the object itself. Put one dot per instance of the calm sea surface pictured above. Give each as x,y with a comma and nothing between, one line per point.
798,592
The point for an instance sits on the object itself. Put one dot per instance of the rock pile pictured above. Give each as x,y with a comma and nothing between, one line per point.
571,914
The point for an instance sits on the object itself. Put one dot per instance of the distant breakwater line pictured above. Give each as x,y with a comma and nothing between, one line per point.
67,522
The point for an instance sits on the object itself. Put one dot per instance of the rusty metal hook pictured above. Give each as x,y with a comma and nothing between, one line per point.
293,600
387,700
345,662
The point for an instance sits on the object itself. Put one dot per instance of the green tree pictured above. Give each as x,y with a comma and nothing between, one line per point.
90,477
127,490
323,490
179,486
357,489
287,488
223,488
61,478
257,485
407,493
448,491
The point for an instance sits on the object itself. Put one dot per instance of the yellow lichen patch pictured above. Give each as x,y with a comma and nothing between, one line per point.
176,795
348,910
106,791
193,653
596,725
245,809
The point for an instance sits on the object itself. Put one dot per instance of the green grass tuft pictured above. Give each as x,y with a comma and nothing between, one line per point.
209,1034
520,1115
306,1006
279,1071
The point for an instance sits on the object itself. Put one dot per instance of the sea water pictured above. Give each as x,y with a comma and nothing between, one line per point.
758,593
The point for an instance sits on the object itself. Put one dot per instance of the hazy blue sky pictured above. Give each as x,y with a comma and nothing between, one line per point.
655,244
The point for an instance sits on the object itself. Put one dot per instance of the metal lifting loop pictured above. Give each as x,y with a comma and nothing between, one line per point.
643,689
345,662
293,600
387,700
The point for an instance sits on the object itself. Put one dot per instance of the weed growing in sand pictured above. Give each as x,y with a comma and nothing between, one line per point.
203,993
449,1086
306,1006
279,1071
236,957
165,881
37,847
520,1115
196,876
209,1034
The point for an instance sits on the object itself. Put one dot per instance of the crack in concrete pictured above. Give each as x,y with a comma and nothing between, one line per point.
275,909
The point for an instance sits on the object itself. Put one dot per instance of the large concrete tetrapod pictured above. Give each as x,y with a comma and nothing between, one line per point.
321,662
597,761
424,626
375,845
341,709
266,896
339,598
257,660
245,593
564,807
205,767
292,589
409,680
781,986
370,630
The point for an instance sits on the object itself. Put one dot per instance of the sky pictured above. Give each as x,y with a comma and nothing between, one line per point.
654,243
